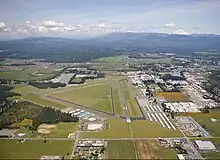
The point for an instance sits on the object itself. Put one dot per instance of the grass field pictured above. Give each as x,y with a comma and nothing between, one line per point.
143,128
133,108
33,149
95,97
210,126
172,96
150,149
35,98
62,130
121,150
116,129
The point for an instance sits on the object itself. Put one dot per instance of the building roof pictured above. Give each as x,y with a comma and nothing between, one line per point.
205,145
180,157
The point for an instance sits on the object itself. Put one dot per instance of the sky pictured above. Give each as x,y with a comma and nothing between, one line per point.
78,18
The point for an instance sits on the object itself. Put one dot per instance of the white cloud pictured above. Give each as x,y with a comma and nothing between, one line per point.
2,26
52,24
181,32
170,25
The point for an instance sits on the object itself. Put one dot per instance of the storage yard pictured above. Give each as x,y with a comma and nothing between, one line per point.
190,127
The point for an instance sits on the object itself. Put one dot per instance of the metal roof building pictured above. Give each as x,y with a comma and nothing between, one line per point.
205,145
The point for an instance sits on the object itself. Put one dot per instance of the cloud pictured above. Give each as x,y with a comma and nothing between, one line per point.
170,25
181,32
52,24
2,26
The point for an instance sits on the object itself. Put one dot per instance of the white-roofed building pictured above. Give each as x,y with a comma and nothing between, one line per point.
205,145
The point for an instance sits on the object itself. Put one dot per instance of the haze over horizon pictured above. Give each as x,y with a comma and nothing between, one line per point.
80,18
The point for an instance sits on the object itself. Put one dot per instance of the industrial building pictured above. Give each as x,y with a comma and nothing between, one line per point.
205,145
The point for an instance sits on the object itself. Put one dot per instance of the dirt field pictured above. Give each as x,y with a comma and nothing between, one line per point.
46,128
172,96
150,149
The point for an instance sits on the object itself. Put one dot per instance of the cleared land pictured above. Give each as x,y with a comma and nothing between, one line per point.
144,128
116,128
121,150
33,149
150,149
172,96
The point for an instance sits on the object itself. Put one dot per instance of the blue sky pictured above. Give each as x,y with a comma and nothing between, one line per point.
69,18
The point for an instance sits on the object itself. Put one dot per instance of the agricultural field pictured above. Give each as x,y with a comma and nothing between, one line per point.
116,128
123,149
150,149
210,122
149,129
132,105
172,96
33,149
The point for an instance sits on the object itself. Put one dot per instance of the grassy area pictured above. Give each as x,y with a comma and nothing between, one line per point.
62,130
150,149
210,126
116,129
172,96
35,98
33,149
95,97
133,108
143,128
121,150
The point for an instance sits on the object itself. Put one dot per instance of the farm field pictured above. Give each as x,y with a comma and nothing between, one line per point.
210,126
33,149
123,149
172,96
117,128
150,149
132,105
143,128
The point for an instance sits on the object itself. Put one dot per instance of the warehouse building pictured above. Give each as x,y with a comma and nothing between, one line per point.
205,145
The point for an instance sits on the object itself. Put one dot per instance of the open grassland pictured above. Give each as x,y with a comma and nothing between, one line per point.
132,105
35,98
123,149
33,149
148,129
95,97
116,128
172,96
210,126
116,99
150,149
61,130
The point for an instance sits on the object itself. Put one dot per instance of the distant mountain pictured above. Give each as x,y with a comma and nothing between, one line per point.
116,43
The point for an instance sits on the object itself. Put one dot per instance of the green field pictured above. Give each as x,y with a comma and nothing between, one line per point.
35,98
33,149
144,128
62,130
132,105
95,97
117,128
121,150
211,127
